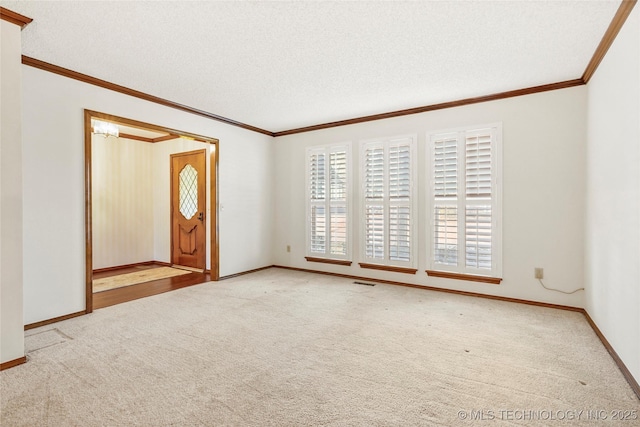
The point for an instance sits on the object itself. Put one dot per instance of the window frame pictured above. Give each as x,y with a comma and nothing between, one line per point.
327,256
461,203
388,264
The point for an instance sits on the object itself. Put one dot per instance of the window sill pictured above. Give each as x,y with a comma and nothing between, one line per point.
328,261
468,277
389,268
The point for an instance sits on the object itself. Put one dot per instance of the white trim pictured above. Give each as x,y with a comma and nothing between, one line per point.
461,202
327,149
412,203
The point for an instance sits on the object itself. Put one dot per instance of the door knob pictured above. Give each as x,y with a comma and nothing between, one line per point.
201,216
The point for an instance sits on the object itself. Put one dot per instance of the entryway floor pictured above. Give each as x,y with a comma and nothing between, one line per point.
130,293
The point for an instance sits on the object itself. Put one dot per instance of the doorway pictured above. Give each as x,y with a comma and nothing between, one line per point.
200,248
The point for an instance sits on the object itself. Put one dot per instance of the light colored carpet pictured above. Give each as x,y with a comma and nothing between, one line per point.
283,348
135,278
43,339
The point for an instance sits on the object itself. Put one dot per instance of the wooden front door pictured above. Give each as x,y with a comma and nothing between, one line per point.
188,202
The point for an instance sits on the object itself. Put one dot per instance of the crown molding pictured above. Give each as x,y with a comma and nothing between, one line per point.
433,107
36,63
609,36
15,18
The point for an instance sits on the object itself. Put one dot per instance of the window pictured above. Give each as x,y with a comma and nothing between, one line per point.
389,203
328,217
464,201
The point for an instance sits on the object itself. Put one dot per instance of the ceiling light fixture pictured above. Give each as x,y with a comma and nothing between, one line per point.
104,128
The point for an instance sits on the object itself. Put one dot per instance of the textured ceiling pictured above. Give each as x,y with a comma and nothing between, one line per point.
282,65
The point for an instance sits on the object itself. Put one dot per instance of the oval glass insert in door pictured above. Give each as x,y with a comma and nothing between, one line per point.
188,190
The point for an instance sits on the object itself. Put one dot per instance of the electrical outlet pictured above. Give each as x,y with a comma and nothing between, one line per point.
288,248
539,273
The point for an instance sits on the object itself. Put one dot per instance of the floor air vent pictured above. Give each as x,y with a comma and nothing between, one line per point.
364,283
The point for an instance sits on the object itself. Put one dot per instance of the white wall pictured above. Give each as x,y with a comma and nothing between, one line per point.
612,256
53,140
11,257
543,197
122,201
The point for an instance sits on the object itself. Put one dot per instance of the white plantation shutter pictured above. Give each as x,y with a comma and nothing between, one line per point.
399,200
387,176
478,226
464,197
399,233
374,217
317,191
445,200
374,232
317,176
338,175
327,201
338,201
374,176
445,155
399,171
338,230
478,178
318,229
478,164
446,235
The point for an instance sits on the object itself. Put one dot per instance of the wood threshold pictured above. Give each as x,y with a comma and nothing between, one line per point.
389,268
13,363
609,36
137,264
54,320
623,368
14,17
467,277
142,290
431,288
42,65
230,276
328,261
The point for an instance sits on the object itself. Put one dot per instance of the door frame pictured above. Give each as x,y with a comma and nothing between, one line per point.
172,194
212,196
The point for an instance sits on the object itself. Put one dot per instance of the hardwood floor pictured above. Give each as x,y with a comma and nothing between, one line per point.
125,270
130,293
